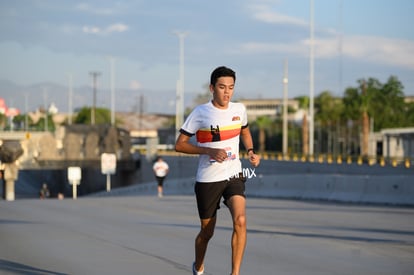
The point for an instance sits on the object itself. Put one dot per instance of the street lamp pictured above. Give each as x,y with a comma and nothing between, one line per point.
46,109
311,82
112,63
94,77
179,105
70,94
285,109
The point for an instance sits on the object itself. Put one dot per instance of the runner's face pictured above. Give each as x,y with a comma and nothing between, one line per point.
222,91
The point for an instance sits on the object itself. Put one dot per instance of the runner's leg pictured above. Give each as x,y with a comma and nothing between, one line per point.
201,241
237,207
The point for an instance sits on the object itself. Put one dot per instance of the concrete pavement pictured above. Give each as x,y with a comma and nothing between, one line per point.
140,234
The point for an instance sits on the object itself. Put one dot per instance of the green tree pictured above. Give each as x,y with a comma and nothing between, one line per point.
328,113
328,108
372,101
351,102
3,121
360,104
18,121
41,124
389,106
409,118
102,116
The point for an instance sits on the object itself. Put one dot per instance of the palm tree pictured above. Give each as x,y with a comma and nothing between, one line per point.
328,113
370,94
362,106
390,109
263,123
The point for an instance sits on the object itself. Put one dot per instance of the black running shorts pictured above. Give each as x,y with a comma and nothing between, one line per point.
208,194
160,180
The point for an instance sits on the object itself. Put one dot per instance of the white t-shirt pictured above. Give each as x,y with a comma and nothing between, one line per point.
160,168
217,128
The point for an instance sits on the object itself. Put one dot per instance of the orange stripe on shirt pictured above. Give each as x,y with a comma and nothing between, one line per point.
204,135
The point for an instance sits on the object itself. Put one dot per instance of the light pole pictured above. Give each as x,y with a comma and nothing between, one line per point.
112,63
179,105
70,99
311,82
26,118
285,109
46,109
94,77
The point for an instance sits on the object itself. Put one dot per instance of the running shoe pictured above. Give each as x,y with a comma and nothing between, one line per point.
195,272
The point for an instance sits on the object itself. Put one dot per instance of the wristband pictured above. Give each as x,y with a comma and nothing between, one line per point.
251,149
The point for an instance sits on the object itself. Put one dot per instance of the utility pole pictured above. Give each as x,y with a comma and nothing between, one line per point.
26,107
365,121
179,105
141,112
46,109
94,77
311,83
70,100
112,62
285,109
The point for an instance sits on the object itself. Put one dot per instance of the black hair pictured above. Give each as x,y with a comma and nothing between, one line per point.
221,71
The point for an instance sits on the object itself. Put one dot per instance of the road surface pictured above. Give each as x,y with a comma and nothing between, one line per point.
136,234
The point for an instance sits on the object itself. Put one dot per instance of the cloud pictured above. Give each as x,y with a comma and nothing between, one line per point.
266,48
395,52
91,29
87,8
118,27
135,85
264,13
375,50
372,49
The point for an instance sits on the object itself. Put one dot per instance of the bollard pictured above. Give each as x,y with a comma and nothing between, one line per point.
279,157
11,172
329,159
74,177
74,190
382,161
10,195
10,151
320,158
407,163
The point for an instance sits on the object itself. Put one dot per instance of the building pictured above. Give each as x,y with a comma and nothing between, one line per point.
398,143
272,107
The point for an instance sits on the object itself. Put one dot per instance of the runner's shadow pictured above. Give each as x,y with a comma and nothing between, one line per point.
18,268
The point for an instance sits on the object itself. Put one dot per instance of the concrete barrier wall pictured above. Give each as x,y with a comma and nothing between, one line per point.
393,190
274,179
311,181
384,189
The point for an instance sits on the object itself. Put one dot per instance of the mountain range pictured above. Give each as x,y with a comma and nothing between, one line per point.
32,97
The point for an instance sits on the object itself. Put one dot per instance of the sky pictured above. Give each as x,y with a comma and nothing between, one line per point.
45,43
